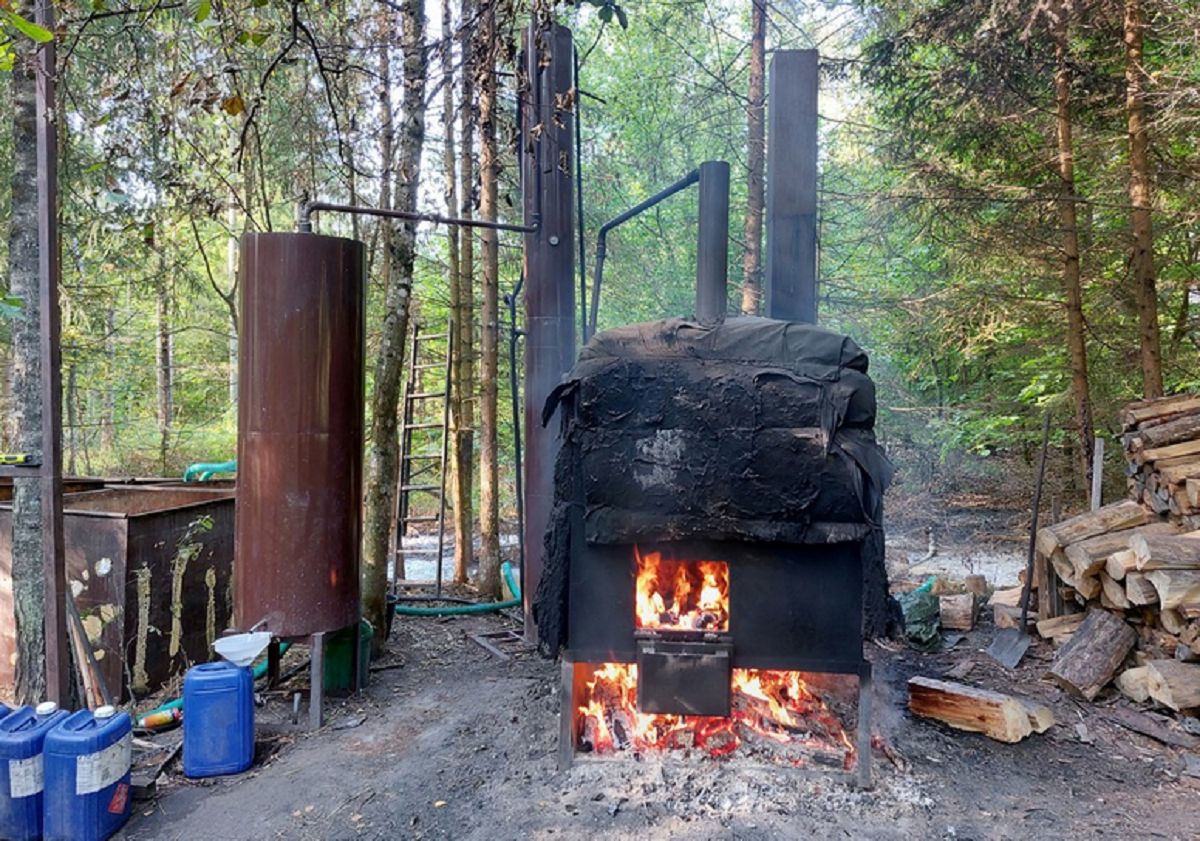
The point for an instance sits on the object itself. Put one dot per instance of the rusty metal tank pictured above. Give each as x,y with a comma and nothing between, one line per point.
300,433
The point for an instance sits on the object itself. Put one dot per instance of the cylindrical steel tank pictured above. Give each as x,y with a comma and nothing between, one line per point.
300,433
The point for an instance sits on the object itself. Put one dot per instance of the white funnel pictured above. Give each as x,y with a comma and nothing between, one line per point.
241,649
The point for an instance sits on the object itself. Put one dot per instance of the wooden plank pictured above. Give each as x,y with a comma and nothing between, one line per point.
1118,516
1085,664
1185,428
1186,448
1146,725
1174,684
998,716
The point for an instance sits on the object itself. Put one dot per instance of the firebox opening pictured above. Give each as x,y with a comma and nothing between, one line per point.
778,717
680,595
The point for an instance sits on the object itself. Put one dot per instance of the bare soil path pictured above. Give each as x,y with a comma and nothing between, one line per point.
458,744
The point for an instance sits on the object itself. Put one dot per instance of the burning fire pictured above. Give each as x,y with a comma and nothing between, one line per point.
681,595
774,711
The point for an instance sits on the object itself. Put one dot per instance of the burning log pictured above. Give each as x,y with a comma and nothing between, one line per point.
998,716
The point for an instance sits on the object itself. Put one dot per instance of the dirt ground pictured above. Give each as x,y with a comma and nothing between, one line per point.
458,744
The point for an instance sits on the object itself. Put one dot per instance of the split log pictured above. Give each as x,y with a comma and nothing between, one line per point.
1060,625
1138,590
1115,517
1174,684
1114,592
1186,428
1004,616
978,585
1132,683
1177,474
1085,664
1088,588
1119,563
1062,568
1155,644
1172,621
1088,556
1154,454
1163,551
998,716
1192,487
1133,414
1008,597
1177,588
957,612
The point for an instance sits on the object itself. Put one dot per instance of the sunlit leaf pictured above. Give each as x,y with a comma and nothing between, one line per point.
29,29
233,105
203,10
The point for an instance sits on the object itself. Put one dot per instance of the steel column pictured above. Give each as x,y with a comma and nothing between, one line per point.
549,272
712,250
791,277
58,661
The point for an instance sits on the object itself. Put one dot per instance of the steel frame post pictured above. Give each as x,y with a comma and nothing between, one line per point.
712,248
549,273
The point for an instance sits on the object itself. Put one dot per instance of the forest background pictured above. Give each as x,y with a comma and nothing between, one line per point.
1008,201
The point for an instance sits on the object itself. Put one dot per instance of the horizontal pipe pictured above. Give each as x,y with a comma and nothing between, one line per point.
307,209
602,237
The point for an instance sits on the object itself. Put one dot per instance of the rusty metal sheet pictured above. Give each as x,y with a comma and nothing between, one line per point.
300,433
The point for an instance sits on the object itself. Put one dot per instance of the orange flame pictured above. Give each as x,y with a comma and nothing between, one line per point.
776,706
697,593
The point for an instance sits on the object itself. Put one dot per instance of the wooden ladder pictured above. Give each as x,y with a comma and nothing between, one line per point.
419,467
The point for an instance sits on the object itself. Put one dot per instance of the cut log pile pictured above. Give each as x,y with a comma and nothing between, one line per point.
1118,589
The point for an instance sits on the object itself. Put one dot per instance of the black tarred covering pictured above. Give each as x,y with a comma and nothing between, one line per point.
754,429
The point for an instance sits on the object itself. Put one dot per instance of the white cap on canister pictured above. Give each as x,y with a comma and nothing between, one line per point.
105,712
46,708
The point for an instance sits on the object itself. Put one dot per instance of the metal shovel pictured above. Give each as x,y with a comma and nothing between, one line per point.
1010,644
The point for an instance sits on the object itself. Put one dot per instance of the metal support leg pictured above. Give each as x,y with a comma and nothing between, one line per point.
274,656
566,717
316,692
357,660
862,770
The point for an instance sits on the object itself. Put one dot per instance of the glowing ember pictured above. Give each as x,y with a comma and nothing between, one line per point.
773,712
681,595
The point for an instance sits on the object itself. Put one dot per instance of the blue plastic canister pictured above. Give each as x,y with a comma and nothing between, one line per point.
22,735
87,776
218,719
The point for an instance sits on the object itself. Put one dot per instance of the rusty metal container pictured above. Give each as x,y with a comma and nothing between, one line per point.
151,572
300,433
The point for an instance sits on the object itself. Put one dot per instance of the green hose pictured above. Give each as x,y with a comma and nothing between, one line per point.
205,470
468,609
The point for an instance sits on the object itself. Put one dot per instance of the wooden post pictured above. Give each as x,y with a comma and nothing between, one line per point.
549,275
1097,473
58,662
791,276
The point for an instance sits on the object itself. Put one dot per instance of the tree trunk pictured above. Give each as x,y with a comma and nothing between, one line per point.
756,154
108,434
1139,198
28,575
465,317
231,269
162,360
383,457
460,502
489,475
1072,284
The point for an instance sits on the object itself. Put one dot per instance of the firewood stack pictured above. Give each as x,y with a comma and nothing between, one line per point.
1133,569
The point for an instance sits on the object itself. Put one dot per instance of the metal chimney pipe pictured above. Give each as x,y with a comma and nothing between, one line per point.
712,252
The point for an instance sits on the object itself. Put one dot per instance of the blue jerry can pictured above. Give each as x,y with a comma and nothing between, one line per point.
22,734
218,719
88,759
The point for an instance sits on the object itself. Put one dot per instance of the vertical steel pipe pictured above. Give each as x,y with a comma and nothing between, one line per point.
300,433
549,274
791,276
712,252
